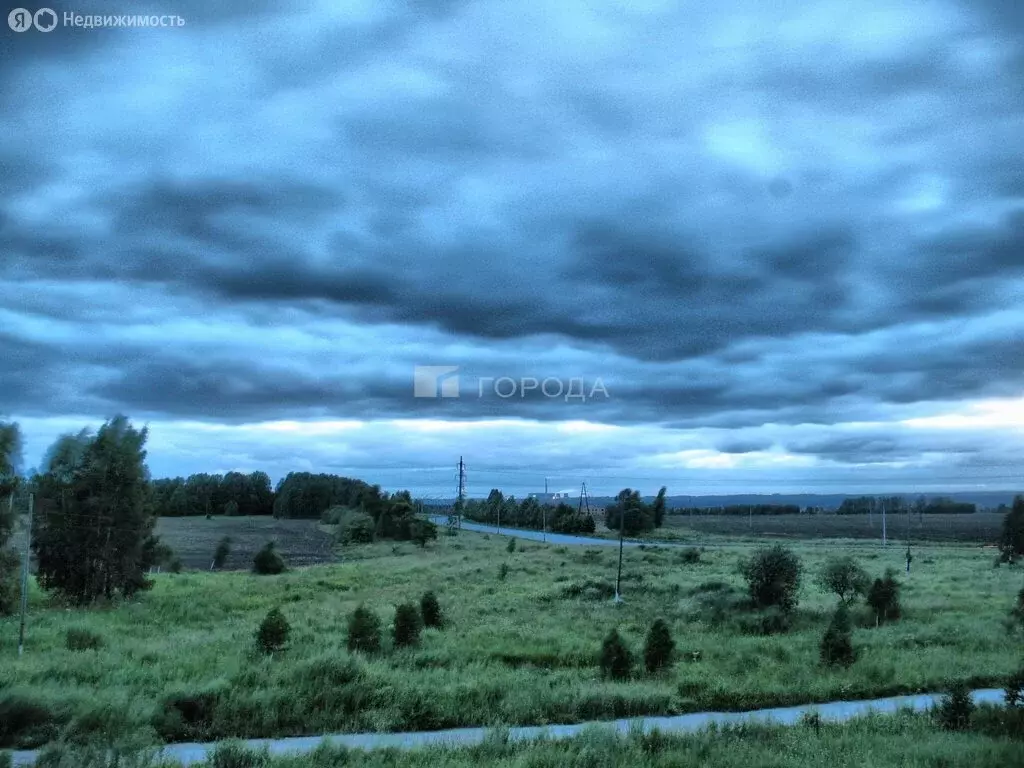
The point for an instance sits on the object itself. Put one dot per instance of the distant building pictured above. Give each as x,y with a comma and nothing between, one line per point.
549,498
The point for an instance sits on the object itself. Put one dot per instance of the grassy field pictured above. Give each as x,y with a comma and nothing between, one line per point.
518,650
194,539
981,527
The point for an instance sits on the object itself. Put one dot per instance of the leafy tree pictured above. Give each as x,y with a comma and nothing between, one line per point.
10,460
407,625
773,578
843,577
273,632
355,527
267,561
1014,692
884,598
430,609
231,508
364,631
629,513
837,642
1013,529
616,661
658,508
511,547
220,555
93,534
659,646
956,707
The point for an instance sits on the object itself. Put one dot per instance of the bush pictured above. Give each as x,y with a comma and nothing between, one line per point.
616,661
10,589
267,561
231,508
690,556
884,598
837,642
956,708
175,565
844,578
431,610
187,716
82,640
273,632
364,631
6,761
773,578
502,571
356,527
659,647
407,625
511,546
422,531
1017,614
1015,690
25,722
1013,529
220,555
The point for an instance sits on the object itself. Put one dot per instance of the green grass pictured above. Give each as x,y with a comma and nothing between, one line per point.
898,741
519,651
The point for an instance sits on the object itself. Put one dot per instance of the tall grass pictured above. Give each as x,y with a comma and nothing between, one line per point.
178,662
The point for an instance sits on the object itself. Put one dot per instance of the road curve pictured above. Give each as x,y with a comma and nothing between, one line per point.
552,538
837,711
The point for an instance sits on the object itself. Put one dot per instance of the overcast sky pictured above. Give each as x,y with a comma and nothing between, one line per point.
781,244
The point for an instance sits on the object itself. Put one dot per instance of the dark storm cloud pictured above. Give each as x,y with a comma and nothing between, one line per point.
732,227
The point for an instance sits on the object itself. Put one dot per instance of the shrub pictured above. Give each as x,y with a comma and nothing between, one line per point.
956,708
407,625
1017,614
690,556
511,546
273,632
175,565
422,531
773,578
25,722
837,642
431,610
355,527
844,578
187,716
231,508
616,661
502,571
1013,529
1015,690
267,561
364,631
220,555
10,589
659,647
6,761
77,639
884,598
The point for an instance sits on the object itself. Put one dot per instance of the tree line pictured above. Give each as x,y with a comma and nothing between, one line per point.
866,505
96,508
497,509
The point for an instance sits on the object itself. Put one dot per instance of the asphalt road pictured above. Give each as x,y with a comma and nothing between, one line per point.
838,711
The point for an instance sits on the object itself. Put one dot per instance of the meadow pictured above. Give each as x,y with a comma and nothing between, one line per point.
179,662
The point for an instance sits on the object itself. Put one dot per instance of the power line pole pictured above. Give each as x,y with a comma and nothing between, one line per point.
883,523
455,518
24,575
618,578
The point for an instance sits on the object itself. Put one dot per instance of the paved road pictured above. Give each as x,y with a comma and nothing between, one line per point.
192,754
553,538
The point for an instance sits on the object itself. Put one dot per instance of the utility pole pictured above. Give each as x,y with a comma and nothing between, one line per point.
455,519
544,525
883,523
618,578
24,575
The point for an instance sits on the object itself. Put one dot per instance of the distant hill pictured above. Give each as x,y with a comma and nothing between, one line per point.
983,499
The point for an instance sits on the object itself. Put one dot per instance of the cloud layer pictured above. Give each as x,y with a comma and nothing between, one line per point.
746,222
